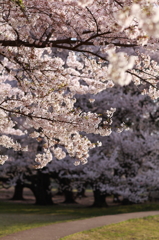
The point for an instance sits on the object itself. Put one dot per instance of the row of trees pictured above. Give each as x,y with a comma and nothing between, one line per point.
56,58
125,165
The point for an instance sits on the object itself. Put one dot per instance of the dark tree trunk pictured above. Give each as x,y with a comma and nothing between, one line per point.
99,199
81,194
18,191
69,196
126,201
41,189
65,184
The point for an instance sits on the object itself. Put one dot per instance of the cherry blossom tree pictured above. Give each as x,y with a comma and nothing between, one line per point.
19,171
52,50
125,165
127,162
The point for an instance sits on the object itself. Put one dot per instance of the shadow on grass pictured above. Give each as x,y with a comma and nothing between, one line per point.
74,209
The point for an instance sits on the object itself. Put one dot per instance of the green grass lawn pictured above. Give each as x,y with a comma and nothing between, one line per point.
16,217
135,229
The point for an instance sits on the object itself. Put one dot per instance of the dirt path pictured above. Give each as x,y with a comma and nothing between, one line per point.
58,230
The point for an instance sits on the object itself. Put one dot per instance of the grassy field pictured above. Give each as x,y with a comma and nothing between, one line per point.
136,229
16,217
